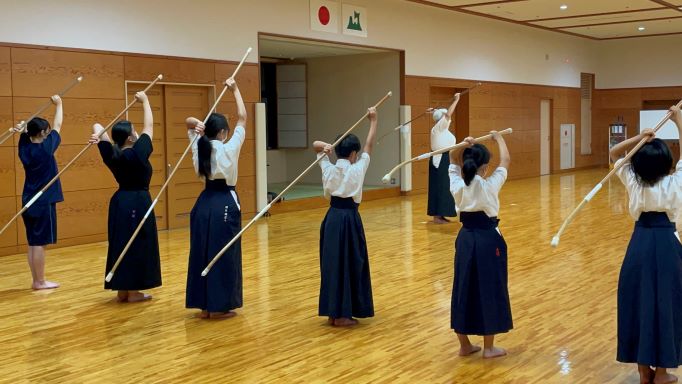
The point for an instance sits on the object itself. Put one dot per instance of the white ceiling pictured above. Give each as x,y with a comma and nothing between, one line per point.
594,19
290,48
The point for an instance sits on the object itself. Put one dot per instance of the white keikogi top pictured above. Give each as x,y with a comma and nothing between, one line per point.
441,137
665,196
343,179
480,195
224,157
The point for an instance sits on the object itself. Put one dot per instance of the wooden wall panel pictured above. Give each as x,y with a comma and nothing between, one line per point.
7,172
6,119
29,75
5,72
43,72
496,106
247,196
79,115
248,80
8,208
173,70
609,105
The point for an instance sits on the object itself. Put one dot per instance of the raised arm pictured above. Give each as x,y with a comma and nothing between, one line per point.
677,119
97,135
369,143
451,110
321,146
505,159
148,116
58,113
456,154
624,146
196,125
241,108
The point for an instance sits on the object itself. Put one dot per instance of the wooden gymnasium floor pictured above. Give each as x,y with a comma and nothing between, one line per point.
563,301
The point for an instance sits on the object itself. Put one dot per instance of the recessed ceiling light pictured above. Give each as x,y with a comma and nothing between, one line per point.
641,28
563,7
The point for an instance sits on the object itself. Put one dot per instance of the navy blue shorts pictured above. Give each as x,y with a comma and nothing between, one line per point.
41,225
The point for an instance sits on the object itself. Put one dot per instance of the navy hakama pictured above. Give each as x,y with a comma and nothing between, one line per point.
440,201
480,297
141,266
650,295
215,219
346,289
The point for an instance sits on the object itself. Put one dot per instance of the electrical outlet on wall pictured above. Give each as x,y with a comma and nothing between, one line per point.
392,180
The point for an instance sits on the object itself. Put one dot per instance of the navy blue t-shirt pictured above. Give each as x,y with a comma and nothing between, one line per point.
40,167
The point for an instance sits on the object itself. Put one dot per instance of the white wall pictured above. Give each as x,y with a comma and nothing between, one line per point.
641,62
437,42
277,166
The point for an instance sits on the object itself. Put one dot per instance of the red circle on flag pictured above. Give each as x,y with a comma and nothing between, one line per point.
323,15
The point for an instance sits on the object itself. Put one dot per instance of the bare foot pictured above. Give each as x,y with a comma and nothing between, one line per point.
330,321
136,297
221,315
646,374
38,285
493,352
665,378
345,322
440,220
122,296
202,315
469,350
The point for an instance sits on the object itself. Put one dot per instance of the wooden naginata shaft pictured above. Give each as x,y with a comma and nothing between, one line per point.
403,124
10,132
464,92
276,199
595,190
70,163
110,275
427,155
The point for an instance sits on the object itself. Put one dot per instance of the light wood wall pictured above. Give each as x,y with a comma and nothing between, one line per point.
498,106
609,104
29,75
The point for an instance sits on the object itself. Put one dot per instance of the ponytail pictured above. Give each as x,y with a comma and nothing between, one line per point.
205,148
474,158
215,124
469,170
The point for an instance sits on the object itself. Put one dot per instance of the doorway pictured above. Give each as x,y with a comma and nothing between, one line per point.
315,90
171,105
545,135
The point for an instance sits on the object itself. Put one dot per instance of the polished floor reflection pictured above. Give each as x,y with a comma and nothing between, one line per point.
563,301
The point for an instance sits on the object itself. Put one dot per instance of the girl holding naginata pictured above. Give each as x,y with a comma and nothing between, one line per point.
480,298
36,151
346,289
216,216
650,282
128,159
440,203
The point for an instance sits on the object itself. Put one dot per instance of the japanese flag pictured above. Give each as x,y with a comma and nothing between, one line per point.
324,16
